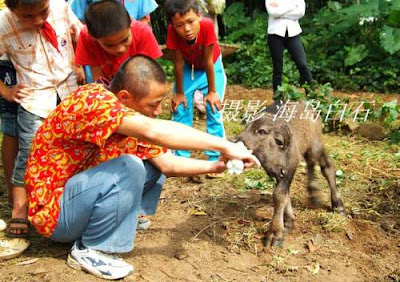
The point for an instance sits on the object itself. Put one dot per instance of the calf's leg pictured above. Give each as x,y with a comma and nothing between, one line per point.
289,217
328,170
312,187
275,234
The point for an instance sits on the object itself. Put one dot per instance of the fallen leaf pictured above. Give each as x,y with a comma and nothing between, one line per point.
318,240
349,234
26,262
243,222
312,247
315,269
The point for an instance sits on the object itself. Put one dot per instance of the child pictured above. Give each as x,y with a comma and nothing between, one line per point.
9,125
111,37
198,66
138,9
38,36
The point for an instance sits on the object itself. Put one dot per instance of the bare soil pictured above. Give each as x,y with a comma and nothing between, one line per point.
213,231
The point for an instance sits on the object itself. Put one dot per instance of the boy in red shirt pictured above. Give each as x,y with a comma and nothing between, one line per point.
110,37
198,66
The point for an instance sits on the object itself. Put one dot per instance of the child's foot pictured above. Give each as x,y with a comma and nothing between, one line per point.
18,228
18,225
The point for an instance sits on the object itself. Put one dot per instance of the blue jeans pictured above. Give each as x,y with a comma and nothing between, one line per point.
100,206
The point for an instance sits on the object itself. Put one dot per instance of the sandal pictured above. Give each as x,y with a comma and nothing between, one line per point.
13,231
216,175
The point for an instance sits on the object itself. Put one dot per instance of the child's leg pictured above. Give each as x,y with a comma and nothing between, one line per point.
9,148
182,114
27,125
215,125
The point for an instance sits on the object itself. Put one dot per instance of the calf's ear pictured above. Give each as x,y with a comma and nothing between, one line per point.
282,137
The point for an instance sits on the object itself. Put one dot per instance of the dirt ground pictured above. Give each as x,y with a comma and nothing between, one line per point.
212,231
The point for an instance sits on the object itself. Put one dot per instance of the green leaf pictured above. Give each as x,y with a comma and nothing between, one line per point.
334,5
339,173
390,105
394,137
394,18
390,39
355,55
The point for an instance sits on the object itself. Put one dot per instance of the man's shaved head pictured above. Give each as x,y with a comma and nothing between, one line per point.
135,75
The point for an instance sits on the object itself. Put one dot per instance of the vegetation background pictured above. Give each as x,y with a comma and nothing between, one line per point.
352,44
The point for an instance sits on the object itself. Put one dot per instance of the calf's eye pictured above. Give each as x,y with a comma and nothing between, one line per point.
261,132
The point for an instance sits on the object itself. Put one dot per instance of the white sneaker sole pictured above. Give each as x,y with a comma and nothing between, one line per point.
71,262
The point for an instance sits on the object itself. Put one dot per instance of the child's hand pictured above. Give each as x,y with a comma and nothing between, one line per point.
16,93
176,100
213,99
80,75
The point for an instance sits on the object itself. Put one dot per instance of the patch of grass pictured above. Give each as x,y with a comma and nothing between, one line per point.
332,222
255,178
233,129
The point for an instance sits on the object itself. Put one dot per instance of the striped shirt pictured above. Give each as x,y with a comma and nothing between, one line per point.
39,65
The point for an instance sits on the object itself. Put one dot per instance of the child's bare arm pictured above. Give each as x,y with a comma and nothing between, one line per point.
15,93
179,96
96,72
212,96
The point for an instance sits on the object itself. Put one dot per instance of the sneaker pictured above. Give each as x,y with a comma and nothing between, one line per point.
143,223
199,101
98,263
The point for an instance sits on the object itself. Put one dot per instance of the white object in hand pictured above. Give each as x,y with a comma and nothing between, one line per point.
235,166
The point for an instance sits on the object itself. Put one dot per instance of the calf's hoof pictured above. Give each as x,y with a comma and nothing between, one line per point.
272,240
338,207
289,226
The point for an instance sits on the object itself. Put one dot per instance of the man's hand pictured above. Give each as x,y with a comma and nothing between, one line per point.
237,151
176,100
213,99
16,93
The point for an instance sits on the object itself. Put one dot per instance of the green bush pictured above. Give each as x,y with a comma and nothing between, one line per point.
353,48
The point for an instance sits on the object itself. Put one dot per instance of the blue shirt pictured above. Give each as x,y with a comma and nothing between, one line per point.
137,9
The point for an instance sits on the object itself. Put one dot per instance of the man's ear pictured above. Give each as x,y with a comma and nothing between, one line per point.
124,96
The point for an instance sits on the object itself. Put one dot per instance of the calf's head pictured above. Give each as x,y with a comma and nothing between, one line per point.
270,141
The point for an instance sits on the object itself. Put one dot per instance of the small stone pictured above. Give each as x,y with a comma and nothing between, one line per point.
180,254
386,226
371,131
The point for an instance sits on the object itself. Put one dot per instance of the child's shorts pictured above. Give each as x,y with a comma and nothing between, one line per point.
8,110
9,124
28,124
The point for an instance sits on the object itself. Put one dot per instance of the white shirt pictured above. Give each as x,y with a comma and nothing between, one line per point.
38,64
285,16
